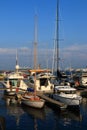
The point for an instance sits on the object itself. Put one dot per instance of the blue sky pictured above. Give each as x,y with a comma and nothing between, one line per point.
17,18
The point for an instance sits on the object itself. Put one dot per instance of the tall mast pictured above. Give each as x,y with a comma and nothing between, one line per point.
56,43
57,35
35,52
35,44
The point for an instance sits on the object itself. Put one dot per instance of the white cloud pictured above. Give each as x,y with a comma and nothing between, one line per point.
76,54
7,51
24,49
13,50
76,47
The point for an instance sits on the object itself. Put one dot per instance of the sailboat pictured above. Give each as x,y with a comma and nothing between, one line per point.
63,92
30,98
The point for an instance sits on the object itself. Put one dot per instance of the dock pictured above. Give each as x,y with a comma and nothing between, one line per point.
82,93
52,101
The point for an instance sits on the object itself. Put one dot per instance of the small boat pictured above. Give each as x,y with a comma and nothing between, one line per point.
32,100
14,82
67,95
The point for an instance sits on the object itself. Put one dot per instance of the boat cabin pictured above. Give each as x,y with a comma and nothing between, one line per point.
42,82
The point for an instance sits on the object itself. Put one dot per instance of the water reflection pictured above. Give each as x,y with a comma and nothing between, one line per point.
69,116
16,110
11,100
46,118
13,109
2,123
37,113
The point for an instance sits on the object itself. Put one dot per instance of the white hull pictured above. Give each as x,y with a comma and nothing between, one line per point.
14,91
10,93
74,101
33,103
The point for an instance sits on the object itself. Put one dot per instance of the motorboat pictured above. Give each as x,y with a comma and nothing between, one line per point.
14,83
43,82
66,95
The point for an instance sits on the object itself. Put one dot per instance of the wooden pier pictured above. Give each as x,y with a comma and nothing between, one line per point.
52,101
82,93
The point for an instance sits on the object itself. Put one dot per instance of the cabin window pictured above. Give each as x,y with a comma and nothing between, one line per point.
43,82
13,82
31,80
69,92
18,83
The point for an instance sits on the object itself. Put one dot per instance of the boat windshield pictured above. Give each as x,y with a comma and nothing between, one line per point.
14,82
69,92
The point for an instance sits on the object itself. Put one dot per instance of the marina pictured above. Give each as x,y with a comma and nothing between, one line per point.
23,117
48,97
47,87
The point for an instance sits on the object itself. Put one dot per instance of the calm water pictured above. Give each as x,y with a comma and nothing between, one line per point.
18,117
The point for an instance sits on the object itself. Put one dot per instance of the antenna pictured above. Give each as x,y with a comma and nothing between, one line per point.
16,57
17,66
